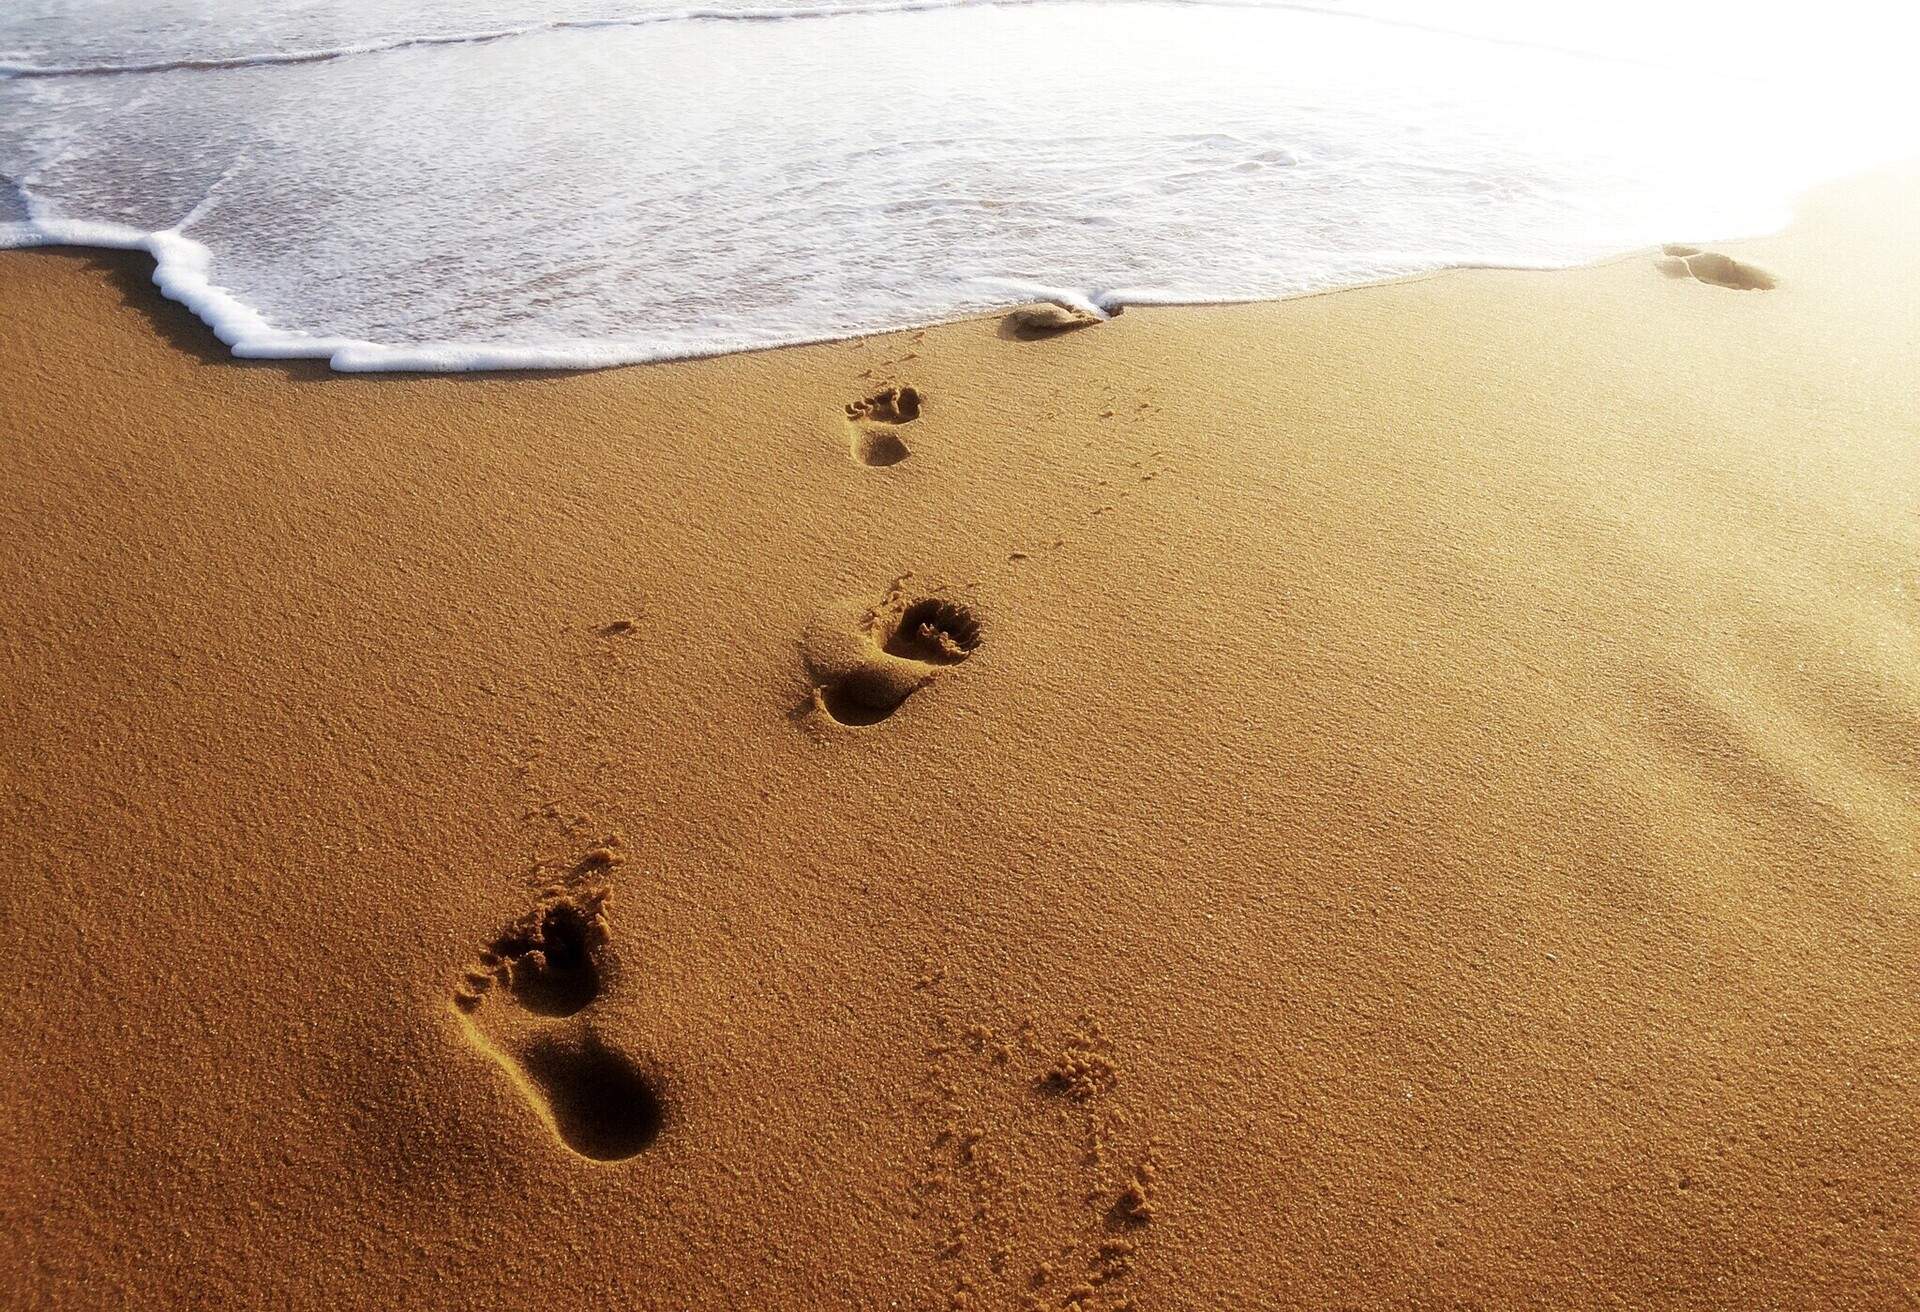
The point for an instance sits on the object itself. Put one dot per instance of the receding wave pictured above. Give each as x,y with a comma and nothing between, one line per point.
603,188
727,14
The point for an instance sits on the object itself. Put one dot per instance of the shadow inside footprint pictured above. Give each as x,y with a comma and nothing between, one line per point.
602,1104
936,631
849,704
878,447
872,689
550,959
864,670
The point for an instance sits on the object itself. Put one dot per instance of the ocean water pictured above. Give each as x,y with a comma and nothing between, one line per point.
467,184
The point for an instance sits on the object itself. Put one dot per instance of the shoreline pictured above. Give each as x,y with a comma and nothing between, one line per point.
182,280
142,255
1394,798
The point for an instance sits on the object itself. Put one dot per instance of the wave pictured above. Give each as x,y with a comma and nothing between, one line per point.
784,13
528,207
183,272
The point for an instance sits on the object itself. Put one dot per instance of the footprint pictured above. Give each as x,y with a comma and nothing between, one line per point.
523,1004
600,1103
549,960
1030,323
1715,269
935,631
875,421
866,661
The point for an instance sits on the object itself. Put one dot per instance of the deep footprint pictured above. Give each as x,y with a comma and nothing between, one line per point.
866,665
548,967
875,421
602,1105
549,959
889,405
861,699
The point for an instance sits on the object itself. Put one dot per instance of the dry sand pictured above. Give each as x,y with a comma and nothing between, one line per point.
1398,799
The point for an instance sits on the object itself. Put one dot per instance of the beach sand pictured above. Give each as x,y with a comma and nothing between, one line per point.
1398,799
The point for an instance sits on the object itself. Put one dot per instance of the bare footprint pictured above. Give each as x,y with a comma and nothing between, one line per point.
523,1003
866,661
550,960
876,421
1715,269
599,1102
935,631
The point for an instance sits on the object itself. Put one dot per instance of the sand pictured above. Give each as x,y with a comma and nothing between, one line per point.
1396,799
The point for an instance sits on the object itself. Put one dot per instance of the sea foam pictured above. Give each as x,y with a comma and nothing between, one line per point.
607,184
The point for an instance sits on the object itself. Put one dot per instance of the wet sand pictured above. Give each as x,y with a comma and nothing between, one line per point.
1397,799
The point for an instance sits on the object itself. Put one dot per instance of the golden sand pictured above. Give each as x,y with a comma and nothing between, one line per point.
1397,799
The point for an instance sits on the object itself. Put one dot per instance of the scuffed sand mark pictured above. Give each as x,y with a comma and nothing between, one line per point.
1029,323
1035,1186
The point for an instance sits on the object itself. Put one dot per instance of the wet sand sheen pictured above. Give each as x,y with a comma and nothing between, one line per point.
1398,798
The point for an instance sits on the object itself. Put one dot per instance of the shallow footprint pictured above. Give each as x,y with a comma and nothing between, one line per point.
1715,269
1029,323
866,661
522,1004
875,421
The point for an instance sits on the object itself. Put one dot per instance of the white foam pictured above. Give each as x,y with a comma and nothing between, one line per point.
733,13
608,187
